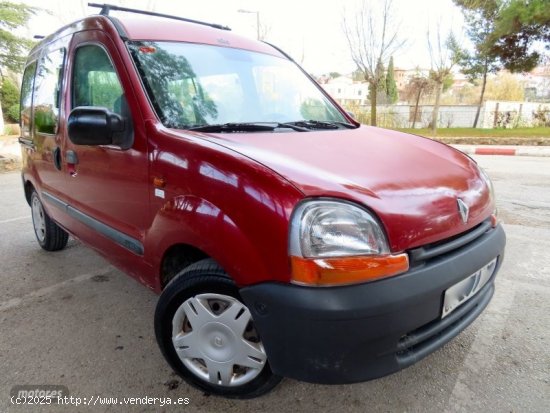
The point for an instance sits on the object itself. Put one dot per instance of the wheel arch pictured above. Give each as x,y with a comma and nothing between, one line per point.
177,258
186,235
28,187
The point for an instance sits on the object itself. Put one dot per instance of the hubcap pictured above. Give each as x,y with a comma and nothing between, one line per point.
215,339
38,219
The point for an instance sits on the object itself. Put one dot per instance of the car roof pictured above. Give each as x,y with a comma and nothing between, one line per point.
153,28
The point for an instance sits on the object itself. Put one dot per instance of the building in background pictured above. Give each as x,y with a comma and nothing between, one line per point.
537,84
346,91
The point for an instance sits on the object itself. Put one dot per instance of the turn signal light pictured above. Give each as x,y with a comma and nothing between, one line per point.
494,220
346,270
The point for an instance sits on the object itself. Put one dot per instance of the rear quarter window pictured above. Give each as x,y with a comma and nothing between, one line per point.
47,94
26,100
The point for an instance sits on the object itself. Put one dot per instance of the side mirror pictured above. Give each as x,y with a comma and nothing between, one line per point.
351,114
90,125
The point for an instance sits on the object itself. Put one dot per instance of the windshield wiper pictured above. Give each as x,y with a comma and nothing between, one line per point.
246,127
321,124
232,127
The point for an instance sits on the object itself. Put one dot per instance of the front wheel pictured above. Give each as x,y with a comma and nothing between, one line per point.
207,334
49,235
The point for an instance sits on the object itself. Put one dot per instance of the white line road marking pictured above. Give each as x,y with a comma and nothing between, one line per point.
480,357
14,302
5,221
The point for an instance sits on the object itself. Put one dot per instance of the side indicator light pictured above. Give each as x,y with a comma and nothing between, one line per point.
159,182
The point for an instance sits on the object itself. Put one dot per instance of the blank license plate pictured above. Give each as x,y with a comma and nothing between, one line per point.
463,290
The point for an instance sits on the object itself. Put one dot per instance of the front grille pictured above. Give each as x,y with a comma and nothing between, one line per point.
430,251
417,344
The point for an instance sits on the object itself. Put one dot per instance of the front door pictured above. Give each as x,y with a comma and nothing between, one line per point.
107,185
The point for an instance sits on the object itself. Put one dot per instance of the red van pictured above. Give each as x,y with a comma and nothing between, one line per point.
284,238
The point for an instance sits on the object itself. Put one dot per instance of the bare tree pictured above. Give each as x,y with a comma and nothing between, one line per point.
415,88
373,37
442,57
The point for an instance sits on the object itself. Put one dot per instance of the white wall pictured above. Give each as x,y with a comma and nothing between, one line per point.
510,114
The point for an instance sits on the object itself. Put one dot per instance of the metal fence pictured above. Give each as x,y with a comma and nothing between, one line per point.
492,115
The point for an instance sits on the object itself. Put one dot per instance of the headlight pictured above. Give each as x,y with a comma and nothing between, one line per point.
488,181
334,229
335,242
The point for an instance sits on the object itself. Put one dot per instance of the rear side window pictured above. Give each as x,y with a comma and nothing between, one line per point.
26,100
95,81
47,92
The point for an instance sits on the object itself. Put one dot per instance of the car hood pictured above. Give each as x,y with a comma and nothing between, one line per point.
411,183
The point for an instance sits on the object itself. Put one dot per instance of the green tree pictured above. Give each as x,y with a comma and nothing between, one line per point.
381,92
9,98
448,82
480,18
13,48
391,86
519,24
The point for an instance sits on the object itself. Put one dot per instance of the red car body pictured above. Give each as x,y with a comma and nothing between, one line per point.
230,196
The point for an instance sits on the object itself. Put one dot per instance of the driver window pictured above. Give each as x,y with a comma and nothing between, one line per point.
95,81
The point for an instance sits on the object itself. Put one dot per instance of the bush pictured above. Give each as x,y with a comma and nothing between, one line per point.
12,114
12,130
9,97
541,117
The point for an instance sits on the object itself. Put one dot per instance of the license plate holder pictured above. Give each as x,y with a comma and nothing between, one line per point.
463,290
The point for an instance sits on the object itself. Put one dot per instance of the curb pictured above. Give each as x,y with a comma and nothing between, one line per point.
537,151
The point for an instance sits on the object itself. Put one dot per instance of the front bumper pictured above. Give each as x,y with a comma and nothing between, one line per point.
360,332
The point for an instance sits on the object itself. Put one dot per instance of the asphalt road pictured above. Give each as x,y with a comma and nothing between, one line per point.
69,318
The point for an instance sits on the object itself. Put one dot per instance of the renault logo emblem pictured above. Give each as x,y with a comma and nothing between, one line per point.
463,209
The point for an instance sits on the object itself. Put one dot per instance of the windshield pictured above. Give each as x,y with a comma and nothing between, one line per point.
192,85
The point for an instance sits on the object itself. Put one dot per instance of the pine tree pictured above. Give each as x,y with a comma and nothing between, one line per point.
391,86
382,95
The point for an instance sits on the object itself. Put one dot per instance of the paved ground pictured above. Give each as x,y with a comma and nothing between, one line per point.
70,318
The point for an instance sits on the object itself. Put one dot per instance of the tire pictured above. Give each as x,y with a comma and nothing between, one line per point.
201,312
49,235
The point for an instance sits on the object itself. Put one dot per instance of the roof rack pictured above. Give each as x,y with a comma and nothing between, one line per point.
106,8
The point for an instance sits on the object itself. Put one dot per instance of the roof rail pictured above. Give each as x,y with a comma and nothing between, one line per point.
106,8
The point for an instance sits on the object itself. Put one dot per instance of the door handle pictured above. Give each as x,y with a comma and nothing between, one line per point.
71,157
72,161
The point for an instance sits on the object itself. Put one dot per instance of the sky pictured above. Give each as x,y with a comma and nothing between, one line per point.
308,30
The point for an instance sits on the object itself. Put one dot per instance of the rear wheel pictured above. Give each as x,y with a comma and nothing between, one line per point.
49,235
207,334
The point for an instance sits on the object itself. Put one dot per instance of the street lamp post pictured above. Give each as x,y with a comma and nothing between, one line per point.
257,20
